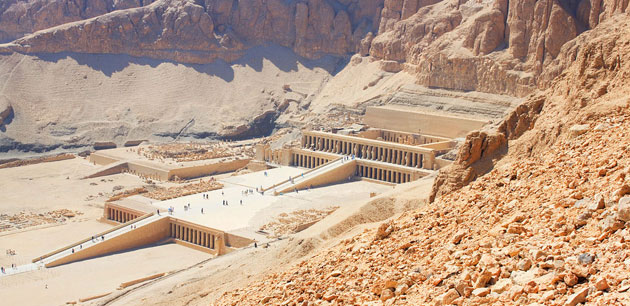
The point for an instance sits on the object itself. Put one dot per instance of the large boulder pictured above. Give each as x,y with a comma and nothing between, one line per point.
6,110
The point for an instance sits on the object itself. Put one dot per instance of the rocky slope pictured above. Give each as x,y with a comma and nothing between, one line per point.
548,225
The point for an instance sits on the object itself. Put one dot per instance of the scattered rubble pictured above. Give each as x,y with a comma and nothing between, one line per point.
25,220
288,223
32,161
185,152
162,194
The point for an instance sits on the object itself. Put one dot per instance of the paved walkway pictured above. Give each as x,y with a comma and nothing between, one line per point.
257,179
306,176
40,264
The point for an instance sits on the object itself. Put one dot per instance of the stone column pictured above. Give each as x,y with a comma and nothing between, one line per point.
220,244
429,163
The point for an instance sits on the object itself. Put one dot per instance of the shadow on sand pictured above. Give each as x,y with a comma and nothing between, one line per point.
283,58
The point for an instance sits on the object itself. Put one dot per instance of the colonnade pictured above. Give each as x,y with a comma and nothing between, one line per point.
119,215
308,161
381,174
408,138
388,153
192,235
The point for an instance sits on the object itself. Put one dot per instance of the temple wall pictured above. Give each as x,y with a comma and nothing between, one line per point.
146,234
120,214
112,168
99,159
420,123
335,175
209,169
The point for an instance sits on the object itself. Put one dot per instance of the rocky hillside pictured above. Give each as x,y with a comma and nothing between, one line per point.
548,225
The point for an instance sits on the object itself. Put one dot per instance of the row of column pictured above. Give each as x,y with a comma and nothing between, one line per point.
191,235
307,161
377,153
119,215
142,175
383,174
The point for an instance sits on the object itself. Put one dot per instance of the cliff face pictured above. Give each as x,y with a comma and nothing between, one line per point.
469,45
194,31
21,17
454,44
595,70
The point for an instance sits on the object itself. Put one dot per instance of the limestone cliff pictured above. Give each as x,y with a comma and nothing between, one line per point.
472,45
21,17
596,68
454,44
195,31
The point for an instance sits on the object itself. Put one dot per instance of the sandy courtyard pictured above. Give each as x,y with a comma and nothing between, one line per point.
244,214
44,187
94,276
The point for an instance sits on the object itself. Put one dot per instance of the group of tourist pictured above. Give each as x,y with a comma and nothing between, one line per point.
4,271
95,239
10,252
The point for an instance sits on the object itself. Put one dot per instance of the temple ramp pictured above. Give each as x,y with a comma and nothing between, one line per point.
335,171
146,230
110,169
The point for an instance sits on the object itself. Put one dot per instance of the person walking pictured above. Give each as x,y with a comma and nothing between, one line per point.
72,250
158,211
202,210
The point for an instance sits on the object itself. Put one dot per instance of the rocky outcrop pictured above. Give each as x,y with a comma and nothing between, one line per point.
6,111
597,67
203,31
469,45
20,17
481,149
